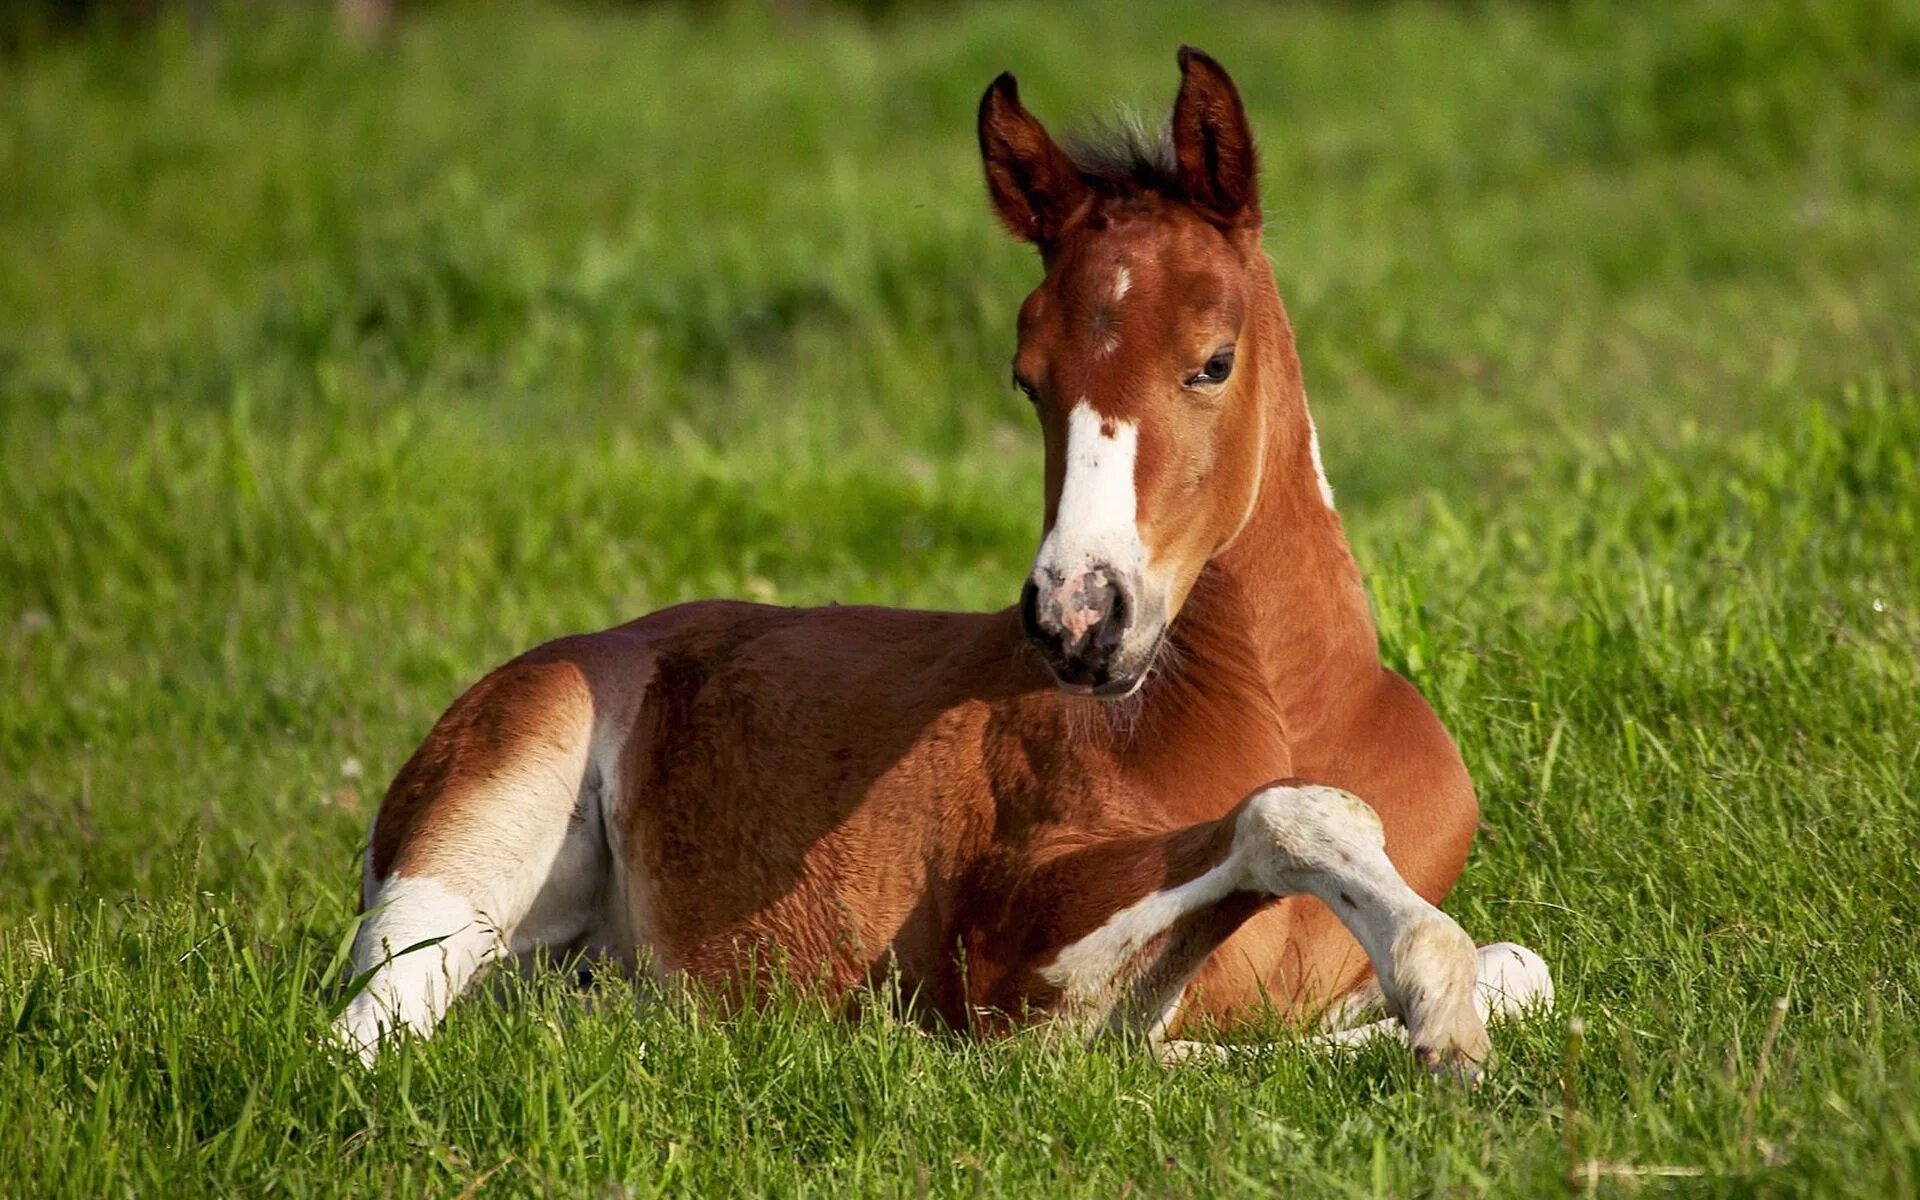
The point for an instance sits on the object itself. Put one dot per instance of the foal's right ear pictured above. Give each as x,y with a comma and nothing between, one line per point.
1034,185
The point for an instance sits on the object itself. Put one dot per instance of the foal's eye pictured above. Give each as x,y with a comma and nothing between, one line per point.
1217,369
1027,390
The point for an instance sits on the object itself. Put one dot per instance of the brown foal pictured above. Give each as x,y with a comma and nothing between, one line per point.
1171,788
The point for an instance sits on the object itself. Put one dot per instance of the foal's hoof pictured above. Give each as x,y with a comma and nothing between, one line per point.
1435,972
1461,1053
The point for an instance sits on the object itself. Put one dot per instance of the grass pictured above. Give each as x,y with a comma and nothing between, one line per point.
328,379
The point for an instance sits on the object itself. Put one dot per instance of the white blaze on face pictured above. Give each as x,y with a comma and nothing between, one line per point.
1098,518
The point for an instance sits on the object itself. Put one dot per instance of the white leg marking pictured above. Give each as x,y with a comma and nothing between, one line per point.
1184,1052
1512,982
1361,1035
526,876
1330,844
1327,843
1090,970
424,943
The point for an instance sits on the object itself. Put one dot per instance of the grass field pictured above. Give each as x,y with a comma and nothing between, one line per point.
329,379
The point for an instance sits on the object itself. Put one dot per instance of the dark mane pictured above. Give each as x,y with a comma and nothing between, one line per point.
1122,155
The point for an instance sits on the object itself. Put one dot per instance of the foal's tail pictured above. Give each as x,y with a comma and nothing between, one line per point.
489,842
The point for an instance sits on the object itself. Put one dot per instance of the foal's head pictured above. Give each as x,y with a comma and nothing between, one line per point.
1135,352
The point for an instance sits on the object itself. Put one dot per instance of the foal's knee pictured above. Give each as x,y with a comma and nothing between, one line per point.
1285,828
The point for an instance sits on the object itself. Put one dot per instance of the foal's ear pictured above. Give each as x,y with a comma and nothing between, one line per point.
1034,185
1212,143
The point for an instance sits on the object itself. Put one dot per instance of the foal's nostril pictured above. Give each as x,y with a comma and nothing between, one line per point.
1113,624
1030,610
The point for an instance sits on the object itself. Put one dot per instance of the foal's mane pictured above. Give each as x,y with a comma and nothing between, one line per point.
1121,156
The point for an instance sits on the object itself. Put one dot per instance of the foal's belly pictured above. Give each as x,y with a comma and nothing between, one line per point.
801,805
824,900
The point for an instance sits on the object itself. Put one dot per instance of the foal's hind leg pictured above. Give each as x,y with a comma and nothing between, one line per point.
490,842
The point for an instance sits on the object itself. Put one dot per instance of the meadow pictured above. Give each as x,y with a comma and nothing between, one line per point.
332,376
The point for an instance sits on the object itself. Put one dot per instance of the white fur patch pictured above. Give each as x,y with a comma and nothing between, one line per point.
1287,840
1319,468
424,942
1328,843
1513,982
1097,521
1088,967
1122,284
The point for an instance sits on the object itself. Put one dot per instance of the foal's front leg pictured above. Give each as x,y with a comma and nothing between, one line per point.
1286,839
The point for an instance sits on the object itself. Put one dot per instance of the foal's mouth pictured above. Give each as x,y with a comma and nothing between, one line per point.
1121,687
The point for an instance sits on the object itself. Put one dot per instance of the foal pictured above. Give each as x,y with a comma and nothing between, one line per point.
1169,789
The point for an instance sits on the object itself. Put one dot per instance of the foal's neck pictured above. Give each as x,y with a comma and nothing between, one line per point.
1283,603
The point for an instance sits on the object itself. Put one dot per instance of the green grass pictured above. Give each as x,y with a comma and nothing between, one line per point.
329,379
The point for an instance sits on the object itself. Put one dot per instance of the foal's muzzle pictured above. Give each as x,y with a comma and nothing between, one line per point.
1080,624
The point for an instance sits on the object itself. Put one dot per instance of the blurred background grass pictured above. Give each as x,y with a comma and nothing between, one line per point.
333,371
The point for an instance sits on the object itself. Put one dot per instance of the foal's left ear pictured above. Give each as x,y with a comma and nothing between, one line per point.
1212,143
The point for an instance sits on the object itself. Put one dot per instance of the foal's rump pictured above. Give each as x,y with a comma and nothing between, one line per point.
491,841
621,793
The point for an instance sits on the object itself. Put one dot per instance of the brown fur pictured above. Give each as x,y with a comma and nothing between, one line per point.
521,714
